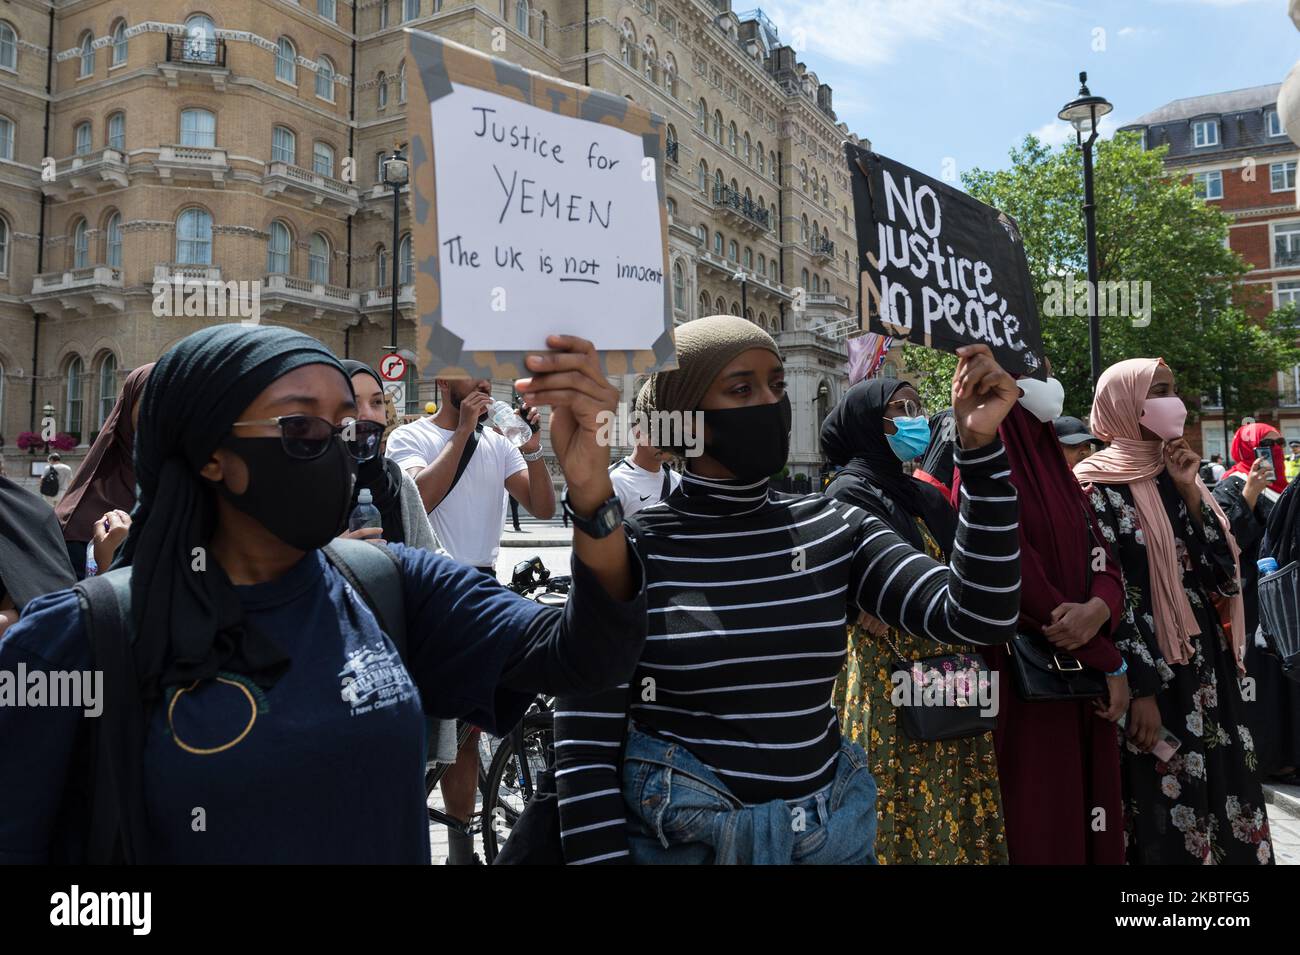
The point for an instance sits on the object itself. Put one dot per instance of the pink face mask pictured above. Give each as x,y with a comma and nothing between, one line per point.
1165,417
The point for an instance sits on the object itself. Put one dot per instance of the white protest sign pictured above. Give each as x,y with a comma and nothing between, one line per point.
548,225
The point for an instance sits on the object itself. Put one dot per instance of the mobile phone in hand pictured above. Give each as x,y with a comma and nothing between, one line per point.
1166,746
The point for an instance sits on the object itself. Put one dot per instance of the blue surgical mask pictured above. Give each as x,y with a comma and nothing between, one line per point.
911,438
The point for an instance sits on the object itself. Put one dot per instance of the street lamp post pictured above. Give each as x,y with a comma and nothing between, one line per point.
396,172
1084,113
744,282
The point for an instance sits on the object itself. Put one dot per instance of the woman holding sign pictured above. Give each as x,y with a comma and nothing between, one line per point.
724,747
1190,787
941,803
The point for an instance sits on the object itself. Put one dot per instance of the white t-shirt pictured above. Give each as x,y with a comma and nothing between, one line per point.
468,520
637,488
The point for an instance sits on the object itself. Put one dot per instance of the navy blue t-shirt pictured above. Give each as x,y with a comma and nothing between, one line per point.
328,764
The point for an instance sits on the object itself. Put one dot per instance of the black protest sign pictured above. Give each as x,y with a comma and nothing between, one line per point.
939,268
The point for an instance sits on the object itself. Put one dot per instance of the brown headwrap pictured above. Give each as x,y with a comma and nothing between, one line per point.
106,479
704,347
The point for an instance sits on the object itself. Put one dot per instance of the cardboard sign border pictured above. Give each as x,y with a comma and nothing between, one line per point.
439,352
869,291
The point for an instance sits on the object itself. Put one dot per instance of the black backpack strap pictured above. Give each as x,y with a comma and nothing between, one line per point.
117,824
376,576
668,484
470,446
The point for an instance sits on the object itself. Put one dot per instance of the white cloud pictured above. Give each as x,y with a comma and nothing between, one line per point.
876,32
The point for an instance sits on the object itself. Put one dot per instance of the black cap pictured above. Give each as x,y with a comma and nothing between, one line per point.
1071,431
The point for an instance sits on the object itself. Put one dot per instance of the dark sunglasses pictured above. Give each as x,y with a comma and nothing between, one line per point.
306,437
1269,443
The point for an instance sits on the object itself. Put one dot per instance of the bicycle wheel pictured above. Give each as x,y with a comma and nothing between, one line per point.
509,786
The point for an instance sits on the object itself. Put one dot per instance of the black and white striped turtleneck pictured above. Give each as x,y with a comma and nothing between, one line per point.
748,592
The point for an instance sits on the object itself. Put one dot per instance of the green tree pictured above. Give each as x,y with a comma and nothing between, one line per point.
1151,228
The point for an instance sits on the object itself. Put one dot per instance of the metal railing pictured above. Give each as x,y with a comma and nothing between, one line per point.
727,198
204,51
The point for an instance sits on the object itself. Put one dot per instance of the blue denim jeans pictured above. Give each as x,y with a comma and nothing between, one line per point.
681,813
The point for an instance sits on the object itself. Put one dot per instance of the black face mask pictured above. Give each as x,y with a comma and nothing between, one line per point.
304,503
751,442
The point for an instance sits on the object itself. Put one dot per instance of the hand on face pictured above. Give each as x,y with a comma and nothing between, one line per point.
1182,463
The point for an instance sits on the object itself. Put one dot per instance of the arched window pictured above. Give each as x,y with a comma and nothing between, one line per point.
749,258
113,241
702,177
672,206
87,54
679,287
816,232
521,17
117,132
410,9
194,237
318,259
325,79
735,307
771,269
401,83
286,61
284,145
717,244
542,25
749,196
72,405
702,115
198,128
762,159
277,249
803,175
803,228
774,166
749,148
382,278
720,306
82,136
119,43
650,59
762,264
406,261
735,187
804,277
732,254
4,248
322,159
201,39
670,75
826,191
107,388
817,283
718,184
326,8
731,138
705,307
627,45
717,127
8,47
80,245
816,187
6,138
381,90
383,14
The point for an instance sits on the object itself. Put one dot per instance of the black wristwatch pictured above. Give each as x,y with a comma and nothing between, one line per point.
607,519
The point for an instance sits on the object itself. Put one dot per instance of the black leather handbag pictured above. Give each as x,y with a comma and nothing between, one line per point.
959,678
1043,673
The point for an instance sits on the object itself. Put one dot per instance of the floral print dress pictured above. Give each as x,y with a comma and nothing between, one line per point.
1205,805
937,802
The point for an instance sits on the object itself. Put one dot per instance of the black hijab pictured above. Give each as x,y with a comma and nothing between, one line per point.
188,620
853,436
380,475
33,556
1283,535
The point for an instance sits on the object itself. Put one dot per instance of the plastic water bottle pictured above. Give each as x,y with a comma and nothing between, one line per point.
515,428
92,567
1266,565
365,514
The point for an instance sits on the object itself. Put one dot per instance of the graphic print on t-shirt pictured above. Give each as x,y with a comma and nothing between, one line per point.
374,677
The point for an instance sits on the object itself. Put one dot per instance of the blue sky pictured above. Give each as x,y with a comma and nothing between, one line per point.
929,80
